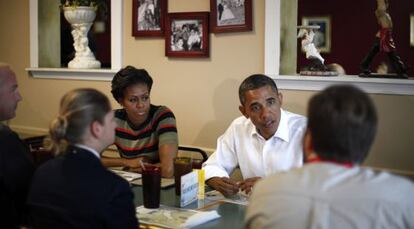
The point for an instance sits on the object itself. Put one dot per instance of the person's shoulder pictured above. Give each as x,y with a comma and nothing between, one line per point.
241,120
116,179
5,131
162,108
161,112
295,119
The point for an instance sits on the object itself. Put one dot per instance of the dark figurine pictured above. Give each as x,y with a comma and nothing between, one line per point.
385,43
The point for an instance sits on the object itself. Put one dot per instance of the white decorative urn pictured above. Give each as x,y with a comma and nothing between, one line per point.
81,19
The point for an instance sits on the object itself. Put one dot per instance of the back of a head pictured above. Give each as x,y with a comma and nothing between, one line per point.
129,76
254,82
78,109
342,121
4,71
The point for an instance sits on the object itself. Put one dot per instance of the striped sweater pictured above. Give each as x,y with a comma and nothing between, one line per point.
144,140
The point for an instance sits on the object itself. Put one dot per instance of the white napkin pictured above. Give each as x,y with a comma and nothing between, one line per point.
200,218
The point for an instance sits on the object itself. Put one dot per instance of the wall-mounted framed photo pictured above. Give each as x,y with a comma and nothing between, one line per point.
322,39
148,17
187,35
230,15
412,30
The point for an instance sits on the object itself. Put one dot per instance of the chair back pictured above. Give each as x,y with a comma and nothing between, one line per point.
190,151
37,149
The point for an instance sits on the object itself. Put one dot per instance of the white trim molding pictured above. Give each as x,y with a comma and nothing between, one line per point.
82,74
311,83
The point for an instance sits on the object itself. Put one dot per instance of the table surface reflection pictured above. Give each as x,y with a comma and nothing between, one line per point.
232,215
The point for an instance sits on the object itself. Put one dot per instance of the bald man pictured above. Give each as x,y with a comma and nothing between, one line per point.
16,166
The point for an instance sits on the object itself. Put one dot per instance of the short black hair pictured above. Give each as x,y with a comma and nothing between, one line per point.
129,76
342,121
254,82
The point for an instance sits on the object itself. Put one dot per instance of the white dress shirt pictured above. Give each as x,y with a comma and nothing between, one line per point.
93,151
241,145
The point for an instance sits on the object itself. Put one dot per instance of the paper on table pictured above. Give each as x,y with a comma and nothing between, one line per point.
129,176
240,198
200,218
171,217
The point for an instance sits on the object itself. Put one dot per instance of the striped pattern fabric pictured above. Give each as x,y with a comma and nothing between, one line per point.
144,140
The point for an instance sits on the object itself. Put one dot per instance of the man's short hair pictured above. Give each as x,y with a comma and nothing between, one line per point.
254,82
342,121
129,76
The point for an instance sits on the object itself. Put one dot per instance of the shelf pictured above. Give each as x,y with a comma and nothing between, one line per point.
76,74
372,85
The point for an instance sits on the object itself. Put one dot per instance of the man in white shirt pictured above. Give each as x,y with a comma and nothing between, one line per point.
264,141
332,190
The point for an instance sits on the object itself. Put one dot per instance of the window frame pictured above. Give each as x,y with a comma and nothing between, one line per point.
80,74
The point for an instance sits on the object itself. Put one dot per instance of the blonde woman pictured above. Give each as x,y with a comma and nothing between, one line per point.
75,190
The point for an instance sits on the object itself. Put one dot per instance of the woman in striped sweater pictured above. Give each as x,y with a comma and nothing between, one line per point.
144,131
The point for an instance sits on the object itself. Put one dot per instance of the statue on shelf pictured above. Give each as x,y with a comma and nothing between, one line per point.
385,43
317,67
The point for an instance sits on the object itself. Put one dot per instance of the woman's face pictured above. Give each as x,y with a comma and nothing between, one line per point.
136,102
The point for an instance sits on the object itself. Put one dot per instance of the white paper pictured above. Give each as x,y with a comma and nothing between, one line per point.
240,198
171,217
129,176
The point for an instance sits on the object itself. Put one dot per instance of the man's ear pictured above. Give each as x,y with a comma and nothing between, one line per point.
242,109
307,143
96,129
280,97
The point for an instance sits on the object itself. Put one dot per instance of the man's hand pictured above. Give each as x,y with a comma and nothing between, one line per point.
224,185
248,184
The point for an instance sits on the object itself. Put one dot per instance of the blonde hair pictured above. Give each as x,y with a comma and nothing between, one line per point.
78,109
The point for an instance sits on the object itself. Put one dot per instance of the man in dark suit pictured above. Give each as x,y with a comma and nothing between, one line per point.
16,166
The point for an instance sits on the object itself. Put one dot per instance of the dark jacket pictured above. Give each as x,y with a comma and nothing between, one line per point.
74,190
16,171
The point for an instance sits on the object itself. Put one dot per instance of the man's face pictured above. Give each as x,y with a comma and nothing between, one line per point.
136,102
109,126
262,106
9,94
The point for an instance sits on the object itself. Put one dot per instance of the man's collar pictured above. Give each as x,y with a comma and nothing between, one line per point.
93,151
282,131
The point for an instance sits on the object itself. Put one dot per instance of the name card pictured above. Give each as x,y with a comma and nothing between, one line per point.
189,188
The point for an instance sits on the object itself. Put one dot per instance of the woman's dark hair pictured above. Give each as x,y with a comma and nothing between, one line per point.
342,121
129,76
78,109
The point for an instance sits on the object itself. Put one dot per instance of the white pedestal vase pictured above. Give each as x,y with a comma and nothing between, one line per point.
81,19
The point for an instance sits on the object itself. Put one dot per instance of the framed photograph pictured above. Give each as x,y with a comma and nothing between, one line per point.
322,39
412,30
148,17
186,35
230,15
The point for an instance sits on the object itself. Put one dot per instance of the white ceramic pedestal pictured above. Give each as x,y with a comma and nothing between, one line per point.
81,19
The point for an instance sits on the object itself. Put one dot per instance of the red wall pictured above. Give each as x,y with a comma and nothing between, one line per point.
353,28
